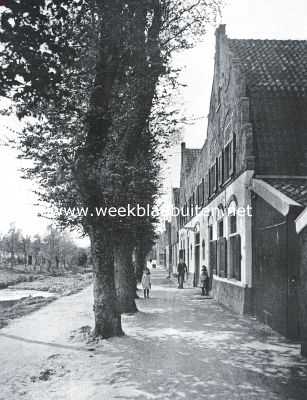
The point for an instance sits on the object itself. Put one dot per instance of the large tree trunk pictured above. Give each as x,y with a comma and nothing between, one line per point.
106,310
125,277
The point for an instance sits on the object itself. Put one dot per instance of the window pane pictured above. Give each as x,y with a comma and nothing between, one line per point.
221,229
233,224
210,232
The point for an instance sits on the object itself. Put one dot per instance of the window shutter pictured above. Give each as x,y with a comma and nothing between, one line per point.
220,169
210,183
214,172
222,257
235,257
202,195
232,157
234,154
226,172
198,196
213,257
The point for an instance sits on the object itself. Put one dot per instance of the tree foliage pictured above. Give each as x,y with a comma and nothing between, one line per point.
96,77
55,251
59,57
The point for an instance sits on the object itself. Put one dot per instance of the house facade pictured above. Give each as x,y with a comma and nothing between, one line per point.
242,194
163,249
174,232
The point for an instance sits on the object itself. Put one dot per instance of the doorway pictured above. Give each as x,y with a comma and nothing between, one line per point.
275,271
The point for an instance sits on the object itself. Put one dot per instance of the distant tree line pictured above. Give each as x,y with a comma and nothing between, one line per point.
53,252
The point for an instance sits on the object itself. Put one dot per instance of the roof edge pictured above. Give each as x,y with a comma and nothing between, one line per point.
301,221
274,197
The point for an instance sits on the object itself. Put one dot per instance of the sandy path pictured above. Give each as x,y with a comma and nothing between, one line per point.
179,346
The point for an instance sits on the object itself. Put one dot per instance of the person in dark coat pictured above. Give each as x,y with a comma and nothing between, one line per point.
204,281
181,270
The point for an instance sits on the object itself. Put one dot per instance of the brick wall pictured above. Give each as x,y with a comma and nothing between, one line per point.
270,126
229,116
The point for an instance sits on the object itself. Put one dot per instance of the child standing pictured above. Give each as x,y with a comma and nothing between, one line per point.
146,283
204,281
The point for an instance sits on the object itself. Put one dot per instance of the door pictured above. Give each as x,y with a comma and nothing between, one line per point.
271,276
275,285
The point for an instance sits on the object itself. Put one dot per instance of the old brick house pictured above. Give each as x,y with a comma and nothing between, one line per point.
249,181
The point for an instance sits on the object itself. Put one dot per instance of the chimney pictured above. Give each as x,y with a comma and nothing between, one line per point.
220,30
220,38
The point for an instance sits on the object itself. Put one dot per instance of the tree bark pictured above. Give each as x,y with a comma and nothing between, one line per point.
106,310
125,277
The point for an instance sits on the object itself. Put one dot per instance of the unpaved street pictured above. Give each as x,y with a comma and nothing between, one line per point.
179,346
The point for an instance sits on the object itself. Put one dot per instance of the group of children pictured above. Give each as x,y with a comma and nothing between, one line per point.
204,280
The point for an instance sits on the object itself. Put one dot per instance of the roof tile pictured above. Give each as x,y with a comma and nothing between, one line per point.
273,65
295,188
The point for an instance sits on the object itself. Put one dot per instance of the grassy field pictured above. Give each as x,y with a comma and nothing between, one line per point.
59,285
63,285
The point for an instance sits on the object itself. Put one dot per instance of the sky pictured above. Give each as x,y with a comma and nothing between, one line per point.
258,19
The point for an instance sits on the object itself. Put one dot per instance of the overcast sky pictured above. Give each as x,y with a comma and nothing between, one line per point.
272,19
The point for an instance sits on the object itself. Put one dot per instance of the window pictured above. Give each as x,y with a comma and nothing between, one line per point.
203,192
210,232
212,179
199,195
185,211
219,95
221,228
232,216
220,168
232,224
197,239
229,160
203,247
235,257
208,185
